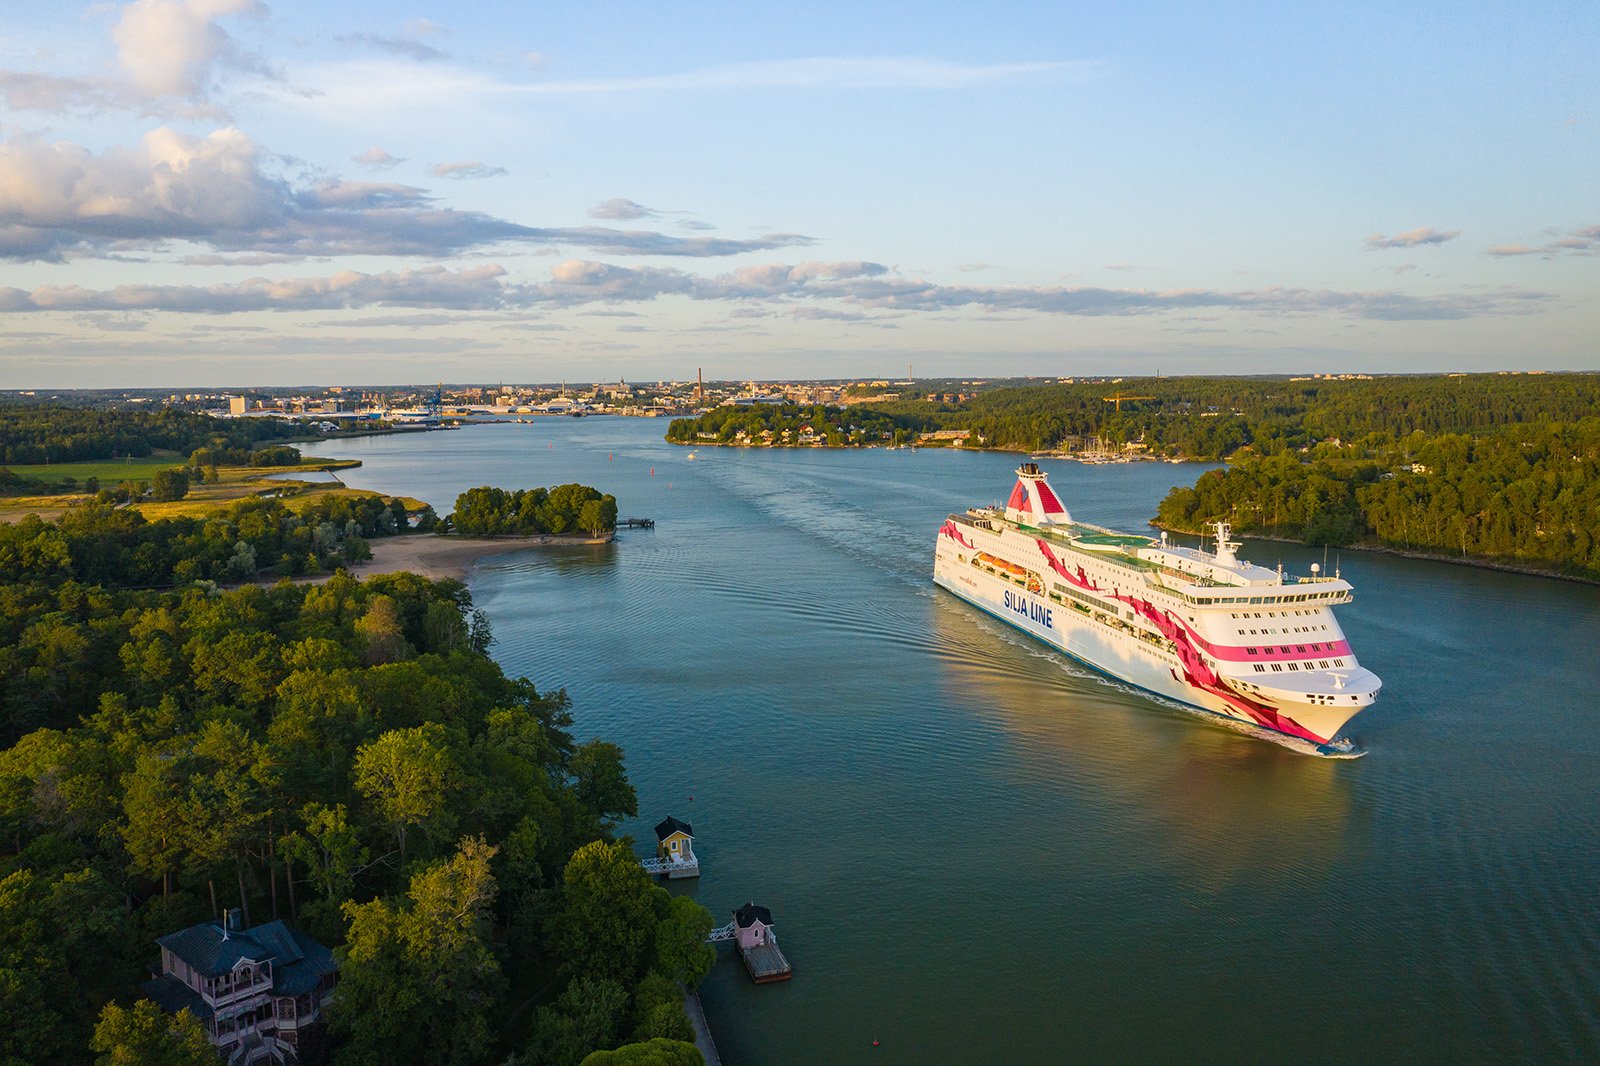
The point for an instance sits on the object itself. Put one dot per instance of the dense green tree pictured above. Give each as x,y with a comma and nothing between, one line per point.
53,937
419,980
681,952
608,918
602,783
32,432
169,485
658,1052
589,1014
146,1035
408,775
489,511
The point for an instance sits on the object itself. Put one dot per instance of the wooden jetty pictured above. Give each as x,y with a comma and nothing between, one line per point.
751,929
636,523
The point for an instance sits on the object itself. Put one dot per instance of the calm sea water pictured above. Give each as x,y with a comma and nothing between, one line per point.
978,851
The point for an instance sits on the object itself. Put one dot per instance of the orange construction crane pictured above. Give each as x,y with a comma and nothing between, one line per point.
1118,398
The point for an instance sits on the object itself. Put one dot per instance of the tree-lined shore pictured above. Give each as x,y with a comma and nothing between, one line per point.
344,756
1503,468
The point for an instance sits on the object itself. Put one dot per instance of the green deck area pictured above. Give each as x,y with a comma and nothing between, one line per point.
1117,540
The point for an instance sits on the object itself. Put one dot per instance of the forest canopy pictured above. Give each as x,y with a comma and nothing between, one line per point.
487,511
344,756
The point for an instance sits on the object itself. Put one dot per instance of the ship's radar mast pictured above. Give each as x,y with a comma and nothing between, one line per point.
1032,502
1225,547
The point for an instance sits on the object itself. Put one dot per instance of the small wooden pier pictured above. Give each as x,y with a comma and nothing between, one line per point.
636,523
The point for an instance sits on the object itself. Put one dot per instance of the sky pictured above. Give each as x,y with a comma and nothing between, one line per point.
244,192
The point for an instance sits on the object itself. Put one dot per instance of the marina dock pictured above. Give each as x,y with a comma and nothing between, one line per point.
765,962
751,931
636,523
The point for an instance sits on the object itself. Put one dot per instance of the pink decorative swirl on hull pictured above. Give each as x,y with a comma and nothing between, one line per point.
1197,673
950,530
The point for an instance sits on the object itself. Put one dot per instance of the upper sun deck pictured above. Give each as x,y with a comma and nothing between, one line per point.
1198,577
1201,578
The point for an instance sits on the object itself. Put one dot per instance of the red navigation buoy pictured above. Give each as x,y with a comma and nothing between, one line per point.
874,1043
652,471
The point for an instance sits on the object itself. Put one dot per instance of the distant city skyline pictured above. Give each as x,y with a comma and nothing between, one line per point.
232,192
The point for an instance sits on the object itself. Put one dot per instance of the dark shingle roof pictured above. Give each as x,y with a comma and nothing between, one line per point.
749,914
312,963
672,825
172,995
298,962
205,948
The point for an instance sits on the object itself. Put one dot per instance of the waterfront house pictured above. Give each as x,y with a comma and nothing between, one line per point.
752,926
675,848
764,961
257,991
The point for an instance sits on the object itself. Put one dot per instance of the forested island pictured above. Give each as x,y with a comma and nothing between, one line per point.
487,511
344,757
1488,467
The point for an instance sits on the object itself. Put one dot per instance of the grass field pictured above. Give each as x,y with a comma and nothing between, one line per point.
109,471
234,483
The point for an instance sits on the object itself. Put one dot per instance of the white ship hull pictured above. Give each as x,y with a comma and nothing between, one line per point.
1274,660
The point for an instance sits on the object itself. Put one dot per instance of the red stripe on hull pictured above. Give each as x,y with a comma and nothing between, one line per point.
1197,673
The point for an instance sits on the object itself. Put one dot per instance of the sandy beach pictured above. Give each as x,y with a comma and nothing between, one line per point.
440,557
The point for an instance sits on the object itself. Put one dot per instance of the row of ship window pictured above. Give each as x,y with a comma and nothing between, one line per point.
1301,648
1325,664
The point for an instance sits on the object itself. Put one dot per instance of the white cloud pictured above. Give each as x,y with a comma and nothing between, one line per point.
621,209
381,86
376,158
404,47
1585,241
1412,238
824,72
472,168
33,91
168,47
475,288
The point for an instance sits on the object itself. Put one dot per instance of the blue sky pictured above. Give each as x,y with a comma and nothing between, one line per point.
232,191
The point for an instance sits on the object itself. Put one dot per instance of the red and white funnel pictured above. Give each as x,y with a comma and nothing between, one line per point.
1032,502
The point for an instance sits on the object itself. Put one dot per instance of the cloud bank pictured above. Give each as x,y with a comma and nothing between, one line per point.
59,200
1585,241
858,285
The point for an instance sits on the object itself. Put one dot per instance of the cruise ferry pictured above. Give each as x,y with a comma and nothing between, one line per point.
1203,628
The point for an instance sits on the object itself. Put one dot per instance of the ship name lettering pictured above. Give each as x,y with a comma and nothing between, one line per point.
1034,612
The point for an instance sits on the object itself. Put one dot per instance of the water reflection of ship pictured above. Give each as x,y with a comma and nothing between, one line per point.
1186,791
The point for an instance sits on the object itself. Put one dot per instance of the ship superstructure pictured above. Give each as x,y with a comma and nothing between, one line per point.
1204,628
